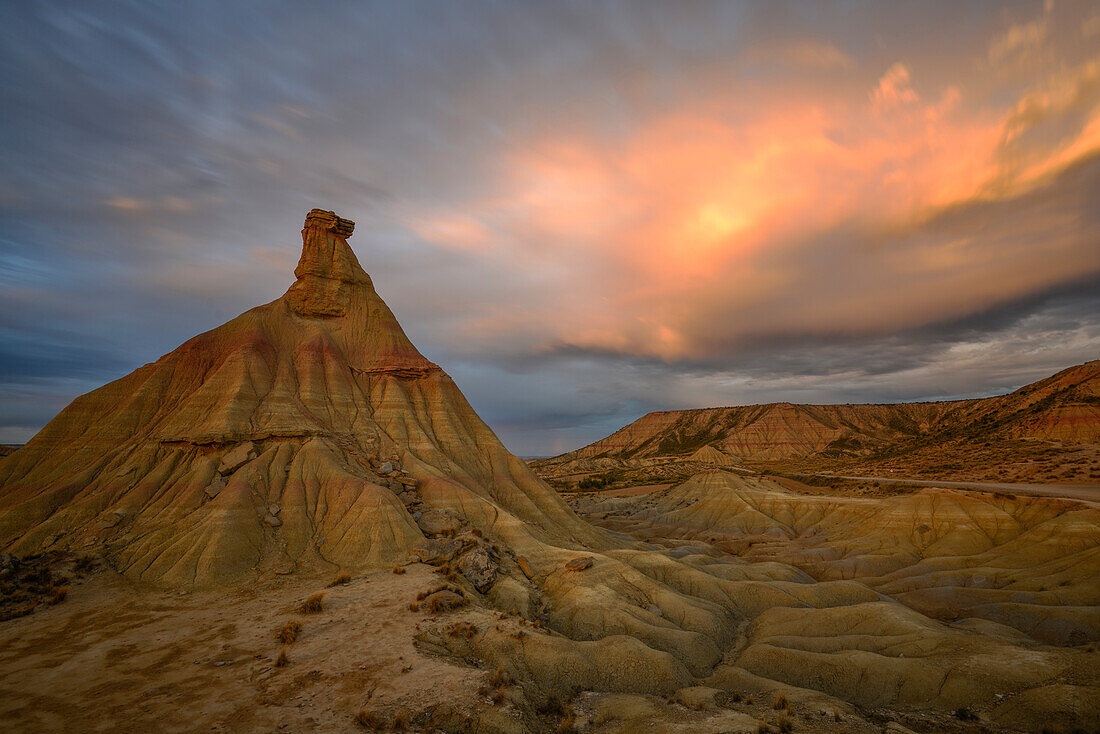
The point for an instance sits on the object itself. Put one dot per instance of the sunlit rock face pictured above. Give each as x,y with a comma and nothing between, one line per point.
1056,418
298,405
309,435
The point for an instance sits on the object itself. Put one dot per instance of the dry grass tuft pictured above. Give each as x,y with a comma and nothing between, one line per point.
964,714
342,580
500,678
414,607
567,725
554,706
462,629
282,660
370,719
58,594
785,724
401,720
398,570
314,604
440,587
84,564
780,703
762,727
289,633
498,696
438,604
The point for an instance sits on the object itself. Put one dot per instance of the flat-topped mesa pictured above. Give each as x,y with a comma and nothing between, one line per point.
326,267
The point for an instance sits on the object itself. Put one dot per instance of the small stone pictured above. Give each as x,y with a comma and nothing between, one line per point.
274,509
439,522
273,521
386,468
525,567
215,488
436,550
478,568
236,458
580,564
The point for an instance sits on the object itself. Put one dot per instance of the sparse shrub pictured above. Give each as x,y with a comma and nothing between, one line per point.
462,629
314,604
554,706
780,703
444,602
568,724
370,719
785,724
342,580
477,533
398,570
282,660
84,564
414,607
290,631
498,696
58,594
762,727
964,714
401,720
500,678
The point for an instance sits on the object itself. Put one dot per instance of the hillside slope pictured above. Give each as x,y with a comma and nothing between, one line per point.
1057,416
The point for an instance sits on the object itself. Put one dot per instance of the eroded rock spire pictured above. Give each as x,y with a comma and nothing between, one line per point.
327,267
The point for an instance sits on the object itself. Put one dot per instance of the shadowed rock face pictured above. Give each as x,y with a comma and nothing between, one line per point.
298,404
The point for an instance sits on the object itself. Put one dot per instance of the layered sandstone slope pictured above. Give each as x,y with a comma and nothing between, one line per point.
1031,563
304,433
1063,409
309,434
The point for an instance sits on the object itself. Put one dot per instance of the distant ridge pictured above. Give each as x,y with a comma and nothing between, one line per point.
1063,408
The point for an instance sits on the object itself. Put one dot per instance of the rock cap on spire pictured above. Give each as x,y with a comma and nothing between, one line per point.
330,221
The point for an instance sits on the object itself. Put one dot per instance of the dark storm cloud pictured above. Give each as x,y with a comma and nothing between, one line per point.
525,177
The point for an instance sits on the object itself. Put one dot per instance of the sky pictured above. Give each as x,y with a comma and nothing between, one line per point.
583,211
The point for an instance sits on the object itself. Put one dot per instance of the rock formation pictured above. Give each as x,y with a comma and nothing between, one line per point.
309,435
1061,412
306,433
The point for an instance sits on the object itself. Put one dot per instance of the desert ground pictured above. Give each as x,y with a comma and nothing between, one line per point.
296,522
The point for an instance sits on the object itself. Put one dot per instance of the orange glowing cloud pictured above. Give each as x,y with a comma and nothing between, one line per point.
711,214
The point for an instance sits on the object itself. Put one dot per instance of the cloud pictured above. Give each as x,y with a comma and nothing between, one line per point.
804,55
894,90
582,211
1019,39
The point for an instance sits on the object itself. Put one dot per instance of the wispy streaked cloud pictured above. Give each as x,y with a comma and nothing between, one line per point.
584,211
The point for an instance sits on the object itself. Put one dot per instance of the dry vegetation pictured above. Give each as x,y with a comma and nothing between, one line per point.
32,581
314,604
342,580
289,632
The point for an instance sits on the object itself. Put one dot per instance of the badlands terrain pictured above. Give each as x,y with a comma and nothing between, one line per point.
296,522
1047,432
